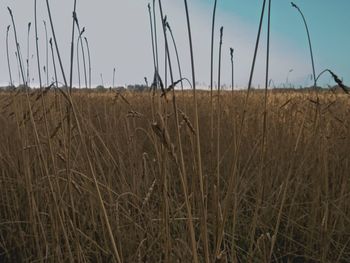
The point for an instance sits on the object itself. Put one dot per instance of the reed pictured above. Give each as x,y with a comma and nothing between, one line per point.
17,46
56,44
47,54
89,60
309,41
7,55
27,60
126,181
37,43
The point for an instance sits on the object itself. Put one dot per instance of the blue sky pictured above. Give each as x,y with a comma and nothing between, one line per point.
328,21
118,33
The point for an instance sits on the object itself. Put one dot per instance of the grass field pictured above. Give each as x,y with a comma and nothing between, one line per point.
166,174
96,176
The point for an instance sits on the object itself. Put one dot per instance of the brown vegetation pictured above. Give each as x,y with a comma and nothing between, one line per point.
114,182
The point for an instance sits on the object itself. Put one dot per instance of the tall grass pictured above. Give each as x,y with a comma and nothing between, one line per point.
309,42
37,42
111,177
8,55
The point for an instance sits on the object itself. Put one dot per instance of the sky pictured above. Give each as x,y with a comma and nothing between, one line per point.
119,37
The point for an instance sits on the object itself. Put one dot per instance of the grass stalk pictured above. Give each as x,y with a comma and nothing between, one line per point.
27,60
309,41
176,53
165,176
89,60
8,55
155,35
204,215
47,53
53,62
78,61
218,128
232,179
37,43
56,44
72,47
17,46
211,81
152,38
232,72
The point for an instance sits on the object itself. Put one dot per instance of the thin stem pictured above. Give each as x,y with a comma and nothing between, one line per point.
84,61
155,36
72,47
176,53
152,38
29,25
198,145
18,69
232,70
218,137
53,62
7,54
211,83
47,54
37,43
56,45
228,197
310,46
78,64
89,59
165,187
212,49
17,46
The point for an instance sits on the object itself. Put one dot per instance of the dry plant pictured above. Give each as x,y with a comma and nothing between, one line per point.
125,177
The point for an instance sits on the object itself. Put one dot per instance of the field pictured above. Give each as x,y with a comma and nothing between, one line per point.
117,176
163,173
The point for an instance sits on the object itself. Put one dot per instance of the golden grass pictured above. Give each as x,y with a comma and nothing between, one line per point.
99,177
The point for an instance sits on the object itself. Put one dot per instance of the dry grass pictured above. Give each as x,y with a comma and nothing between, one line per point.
53,210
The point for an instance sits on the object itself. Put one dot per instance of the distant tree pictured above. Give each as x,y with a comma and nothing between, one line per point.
100,88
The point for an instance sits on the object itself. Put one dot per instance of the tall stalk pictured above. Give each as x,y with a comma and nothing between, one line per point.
83,54
165,183
82,48
198,145
89,59
56,45
232,71
27,60
155,36
212,50
218,187
211,83
47,53
78,64
37,43
72,47
309,40
231,182
176,53
260,184
53,62
152,38
181,165
17,46
7,54
18,69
